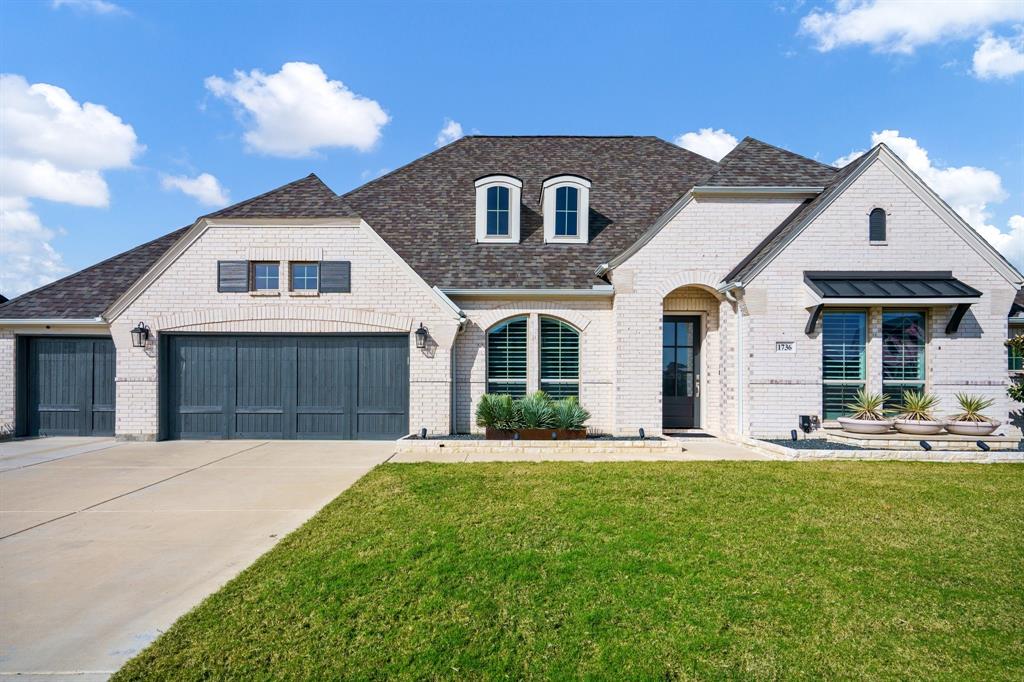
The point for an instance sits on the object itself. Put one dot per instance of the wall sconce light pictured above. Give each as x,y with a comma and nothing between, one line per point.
421,336
140,335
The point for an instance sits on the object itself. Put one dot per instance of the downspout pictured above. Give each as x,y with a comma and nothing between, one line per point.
740,392
453,380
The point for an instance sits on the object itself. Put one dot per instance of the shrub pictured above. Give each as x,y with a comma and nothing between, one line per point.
536,411
867,405
972,407
497,412
919,406
569,414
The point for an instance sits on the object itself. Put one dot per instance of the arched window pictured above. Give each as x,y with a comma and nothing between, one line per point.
566,211
559,358
497,211
498,198
876,225
506,358
566,206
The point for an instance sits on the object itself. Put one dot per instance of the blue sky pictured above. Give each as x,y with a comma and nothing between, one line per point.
201,88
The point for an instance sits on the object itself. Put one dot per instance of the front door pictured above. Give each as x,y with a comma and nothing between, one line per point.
680,371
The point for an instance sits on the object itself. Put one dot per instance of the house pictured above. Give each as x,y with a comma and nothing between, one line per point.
664,289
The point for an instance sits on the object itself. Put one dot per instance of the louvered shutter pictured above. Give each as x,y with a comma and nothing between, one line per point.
232,275
559,359
506,358
335,276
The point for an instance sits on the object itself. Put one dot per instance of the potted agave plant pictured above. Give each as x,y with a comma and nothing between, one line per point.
533,417
918,415
867,414
970,421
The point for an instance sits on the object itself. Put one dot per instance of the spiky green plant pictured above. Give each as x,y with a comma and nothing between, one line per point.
569,414
972,407
497,412
868,406
919,406
535,411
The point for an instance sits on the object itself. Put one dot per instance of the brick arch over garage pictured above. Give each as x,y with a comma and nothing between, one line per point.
488,318
294,319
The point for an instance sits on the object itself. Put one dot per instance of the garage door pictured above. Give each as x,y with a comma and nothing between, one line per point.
286,386
67,386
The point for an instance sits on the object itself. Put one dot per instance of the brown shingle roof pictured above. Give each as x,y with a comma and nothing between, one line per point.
308,197
753,163
426,210
87,293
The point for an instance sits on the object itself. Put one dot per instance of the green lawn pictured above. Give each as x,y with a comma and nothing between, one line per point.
630,571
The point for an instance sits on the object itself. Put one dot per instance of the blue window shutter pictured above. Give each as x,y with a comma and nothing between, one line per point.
232,275
335,276
876,225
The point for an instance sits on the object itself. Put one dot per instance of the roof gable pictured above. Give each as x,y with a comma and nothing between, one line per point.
753,163
426,209
307,197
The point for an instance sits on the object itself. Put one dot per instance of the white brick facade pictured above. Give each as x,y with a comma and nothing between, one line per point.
747,388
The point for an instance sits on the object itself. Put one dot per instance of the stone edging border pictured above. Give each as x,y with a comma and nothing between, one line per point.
781,452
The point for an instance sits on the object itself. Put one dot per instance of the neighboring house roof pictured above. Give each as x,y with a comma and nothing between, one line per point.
793,223
426,210
753,163
308,197
87,293
1017,309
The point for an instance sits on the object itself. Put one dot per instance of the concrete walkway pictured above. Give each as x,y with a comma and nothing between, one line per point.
103,545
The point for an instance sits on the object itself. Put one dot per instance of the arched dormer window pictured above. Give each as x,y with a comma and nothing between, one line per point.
876,225
566,203
497,208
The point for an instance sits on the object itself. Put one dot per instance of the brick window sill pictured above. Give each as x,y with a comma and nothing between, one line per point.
303,294
264,293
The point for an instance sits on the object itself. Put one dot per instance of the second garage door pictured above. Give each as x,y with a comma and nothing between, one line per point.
351,387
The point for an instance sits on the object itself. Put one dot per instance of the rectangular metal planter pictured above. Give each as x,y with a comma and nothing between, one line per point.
536,434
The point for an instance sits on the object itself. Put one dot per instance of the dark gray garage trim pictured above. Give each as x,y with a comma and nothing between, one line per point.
285,386
65,386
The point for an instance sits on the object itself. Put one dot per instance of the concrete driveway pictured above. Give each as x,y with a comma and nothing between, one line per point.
103,544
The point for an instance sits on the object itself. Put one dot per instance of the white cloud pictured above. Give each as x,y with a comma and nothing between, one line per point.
27,259
901,26
205,188
55,148
95,6
970,190
999,57
297,110
450,131
708,142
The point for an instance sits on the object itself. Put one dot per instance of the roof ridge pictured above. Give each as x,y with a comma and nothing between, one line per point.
246,202
567,137
94,266
688,151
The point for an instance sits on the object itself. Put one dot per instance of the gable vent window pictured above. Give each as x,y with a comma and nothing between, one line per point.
498,198
566,205
559,359
497,211
506,358
876,225
566,211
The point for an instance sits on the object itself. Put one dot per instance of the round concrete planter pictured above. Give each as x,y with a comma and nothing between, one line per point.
973,428
918,427
865,425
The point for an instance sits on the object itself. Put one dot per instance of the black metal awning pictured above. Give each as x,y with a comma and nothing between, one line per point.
890,288
888,285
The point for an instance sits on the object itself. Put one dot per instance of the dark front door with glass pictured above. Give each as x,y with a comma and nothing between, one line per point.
680,371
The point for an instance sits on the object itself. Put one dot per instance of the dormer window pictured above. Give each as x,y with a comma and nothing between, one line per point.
566,202
497,209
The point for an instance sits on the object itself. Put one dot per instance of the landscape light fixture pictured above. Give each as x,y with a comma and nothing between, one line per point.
140,335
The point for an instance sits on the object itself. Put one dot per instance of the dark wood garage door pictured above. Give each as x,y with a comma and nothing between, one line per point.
66,386
347,387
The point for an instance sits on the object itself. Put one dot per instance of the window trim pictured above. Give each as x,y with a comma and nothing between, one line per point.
515,196
1010,328
254,281
541,381
291,276
885,226
525,381
865,314
923,382
549,192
